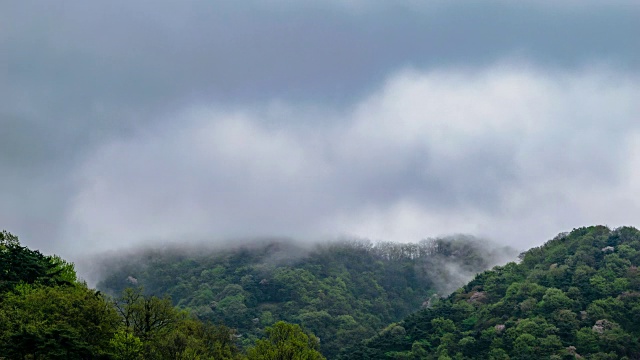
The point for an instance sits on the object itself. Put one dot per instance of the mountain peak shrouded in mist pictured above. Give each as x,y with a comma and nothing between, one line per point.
342,291
456,256
575,296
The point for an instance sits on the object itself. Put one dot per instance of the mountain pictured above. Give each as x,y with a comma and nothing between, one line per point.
343,292
575,297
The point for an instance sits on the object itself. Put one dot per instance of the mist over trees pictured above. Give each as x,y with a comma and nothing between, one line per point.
342,291
577,296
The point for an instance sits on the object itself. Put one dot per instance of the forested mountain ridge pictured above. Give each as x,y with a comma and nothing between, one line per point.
577,296
343,292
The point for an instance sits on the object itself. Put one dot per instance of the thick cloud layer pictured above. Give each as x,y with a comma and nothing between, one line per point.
508,152
124,121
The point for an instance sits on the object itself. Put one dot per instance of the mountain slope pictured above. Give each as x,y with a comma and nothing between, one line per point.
342,292
578,296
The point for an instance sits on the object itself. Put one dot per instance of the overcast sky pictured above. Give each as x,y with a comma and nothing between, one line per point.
123,122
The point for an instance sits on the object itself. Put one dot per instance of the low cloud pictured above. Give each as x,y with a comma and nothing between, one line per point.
508,152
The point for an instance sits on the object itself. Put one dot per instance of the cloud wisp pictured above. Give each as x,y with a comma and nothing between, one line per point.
513,153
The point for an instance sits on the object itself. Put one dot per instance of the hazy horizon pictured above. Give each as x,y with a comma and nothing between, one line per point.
134,122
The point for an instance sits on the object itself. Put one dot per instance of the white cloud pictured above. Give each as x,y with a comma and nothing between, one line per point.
509,152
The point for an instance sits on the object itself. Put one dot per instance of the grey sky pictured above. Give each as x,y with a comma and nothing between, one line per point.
129,121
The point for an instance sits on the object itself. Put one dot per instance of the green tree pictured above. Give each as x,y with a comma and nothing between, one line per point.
525,346
285,342
555,299
20,264
193,340
145,316
126,346
61,322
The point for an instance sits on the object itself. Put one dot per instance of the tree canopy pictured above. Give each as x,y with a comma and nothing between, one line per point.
47,314
343,291
577,296
286,342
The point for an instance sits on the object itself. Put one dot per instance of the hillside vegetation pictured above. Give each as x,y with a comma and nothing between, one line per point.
47,314
578,296
575,297
343,292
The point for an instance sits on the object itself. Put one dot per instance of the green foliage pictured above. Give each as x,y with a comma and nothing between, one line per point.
45,313
8,240
151,328
285,342
145,316
343,292
18,264
576,296
61,322
126,346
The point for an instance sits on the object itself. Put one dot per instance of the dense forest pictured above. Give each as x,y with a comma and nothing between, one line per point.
578,296
47,314
343,292
575,297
